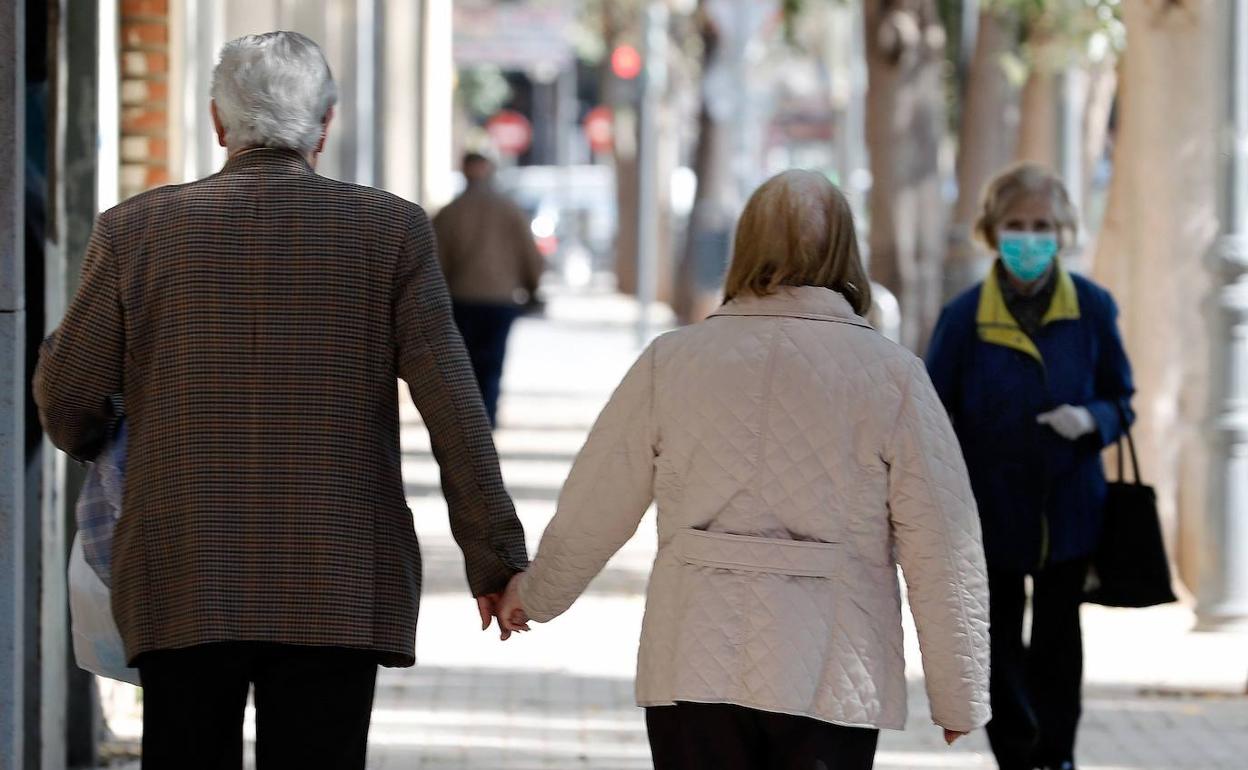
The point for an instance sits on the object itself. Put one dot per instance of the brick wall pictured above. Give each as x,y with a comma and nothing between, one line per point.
144,95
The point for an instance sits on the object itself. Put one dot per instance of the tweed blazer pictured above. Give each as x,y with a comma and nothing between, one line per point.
255,323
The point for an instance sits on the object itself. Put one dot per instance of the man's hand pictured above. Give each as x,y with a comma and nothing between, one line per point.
487,606
951,736
491,606
1069,422
511,614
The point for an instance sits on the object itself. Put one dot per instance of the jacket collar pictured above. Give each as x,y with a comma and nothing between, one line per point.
811,302
997,325
268,160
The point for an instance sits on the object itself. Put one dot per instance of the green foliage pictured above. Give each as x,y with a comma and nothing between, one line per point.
1057,33
792,10
483,91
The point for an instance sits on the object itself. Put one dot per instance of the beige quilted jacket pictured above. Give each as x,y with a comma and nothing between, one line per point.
796,456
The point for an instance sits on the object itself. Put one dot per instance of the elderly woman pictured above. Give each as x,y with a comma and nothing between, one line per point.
1032,370
794,454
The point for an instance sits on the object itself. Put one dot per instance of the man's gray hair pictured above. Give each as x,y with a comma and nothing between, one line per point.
273,90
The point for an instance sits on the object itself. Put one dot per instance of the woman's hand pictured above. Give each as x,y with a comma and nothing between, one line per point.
951,736
511,614
1070,422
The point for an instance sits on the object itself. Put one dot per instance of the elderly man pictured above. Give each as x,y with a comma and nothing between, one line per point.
254,323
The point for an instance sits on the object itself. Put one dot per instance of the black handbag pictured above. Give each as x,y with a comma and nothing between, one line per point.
1130,567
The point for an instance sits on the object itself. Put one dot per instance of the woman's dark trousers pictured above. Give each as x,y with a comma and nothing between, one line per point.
719,736
1036,688
485,328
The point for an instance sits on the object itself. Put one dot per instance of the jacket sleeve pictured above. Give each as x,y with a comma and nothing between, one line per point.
936,530
441,230
81,365
944,361
431,357
607,493
533,263
1114,383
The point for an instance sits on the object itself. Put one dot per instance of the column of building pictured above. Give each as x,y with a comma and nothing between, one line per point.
14,569
1224,592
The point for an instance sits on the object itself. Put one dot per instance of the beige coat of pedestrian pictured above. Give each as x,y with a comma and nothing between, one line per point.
796,457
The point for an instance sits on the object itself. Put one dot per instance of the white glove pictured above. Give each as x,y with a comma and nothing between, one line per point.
1069,422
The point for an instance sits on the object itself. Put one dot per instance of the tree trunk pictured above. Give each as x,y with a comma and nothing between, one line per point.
905,123
618,19
985,145
710,222
626,190
667,158
1102,89
1160,223
1038,115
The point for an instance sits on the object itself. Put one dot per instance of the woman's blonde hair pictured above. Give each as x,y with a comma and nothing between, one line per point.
798,230
1018,182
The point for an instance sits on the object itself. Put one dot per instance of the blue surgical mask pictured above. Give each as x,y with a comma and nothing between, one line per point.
1027,256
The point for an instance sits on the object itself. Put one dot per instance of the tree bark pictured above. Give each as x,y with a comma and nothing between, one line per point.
627,187
1102,90
905,123
1038,114
985,144
618,20
710,222
1160,223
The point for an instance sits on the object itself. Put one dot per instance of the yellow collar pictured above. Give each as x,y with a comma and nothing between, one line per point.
997,325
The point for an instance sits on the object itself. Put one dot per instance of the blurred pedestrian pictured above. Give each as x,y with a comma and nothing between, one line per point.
1032,370
254,323
492,267
796,456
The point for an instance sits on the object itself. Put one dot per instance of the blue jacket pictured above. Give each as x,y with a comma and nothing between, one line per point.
1041,497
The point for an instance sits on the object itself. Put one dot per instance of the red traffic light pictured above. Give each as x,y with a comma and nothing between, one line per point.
598,129
625,62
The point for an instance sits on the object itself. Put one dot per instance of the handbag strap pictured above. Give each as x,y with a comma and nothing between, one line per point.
1126,432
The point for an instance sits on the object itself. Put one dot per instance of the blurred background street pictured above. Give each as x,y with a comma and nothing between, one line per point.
630,133
1158,697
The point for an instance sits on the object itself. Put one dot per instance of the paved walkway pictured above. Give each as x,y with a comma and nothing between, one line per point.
561,697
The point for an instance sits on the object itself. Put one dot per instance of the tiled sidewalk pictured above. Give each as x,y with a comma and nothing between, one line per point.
561,697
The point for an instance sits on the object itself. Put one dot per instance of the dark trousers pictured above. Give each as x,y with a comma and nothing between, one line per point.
485,328
720,736
313,706
1036,688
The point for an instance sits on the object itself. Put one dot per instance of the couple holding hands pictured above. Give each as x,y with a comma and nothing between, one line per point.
255,322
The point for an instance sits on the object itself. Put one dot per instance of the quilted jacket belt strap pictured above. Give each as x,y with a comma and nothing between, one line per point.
757,554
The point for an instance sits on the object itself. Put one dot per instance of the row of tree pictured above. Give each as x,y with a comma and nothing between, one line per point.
948,104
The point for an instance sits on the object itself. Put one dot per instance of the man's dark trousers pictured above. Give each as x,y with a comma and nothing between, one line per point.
485,328
1037,688
313,706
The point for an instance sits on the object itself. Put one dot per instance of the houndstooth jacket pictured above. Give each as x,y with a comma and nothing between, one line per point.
255,322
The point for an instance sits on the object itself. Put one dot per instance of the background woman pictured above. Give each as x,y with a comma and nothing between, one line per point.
792,451
1032,370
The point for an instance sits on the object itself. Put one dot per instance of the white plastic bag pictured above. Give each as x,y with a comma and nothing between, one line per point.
97,642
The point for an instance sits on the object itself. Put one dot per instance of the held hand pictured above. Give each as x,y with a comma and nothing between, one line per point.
511,614
951,736
1069,422
487,607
